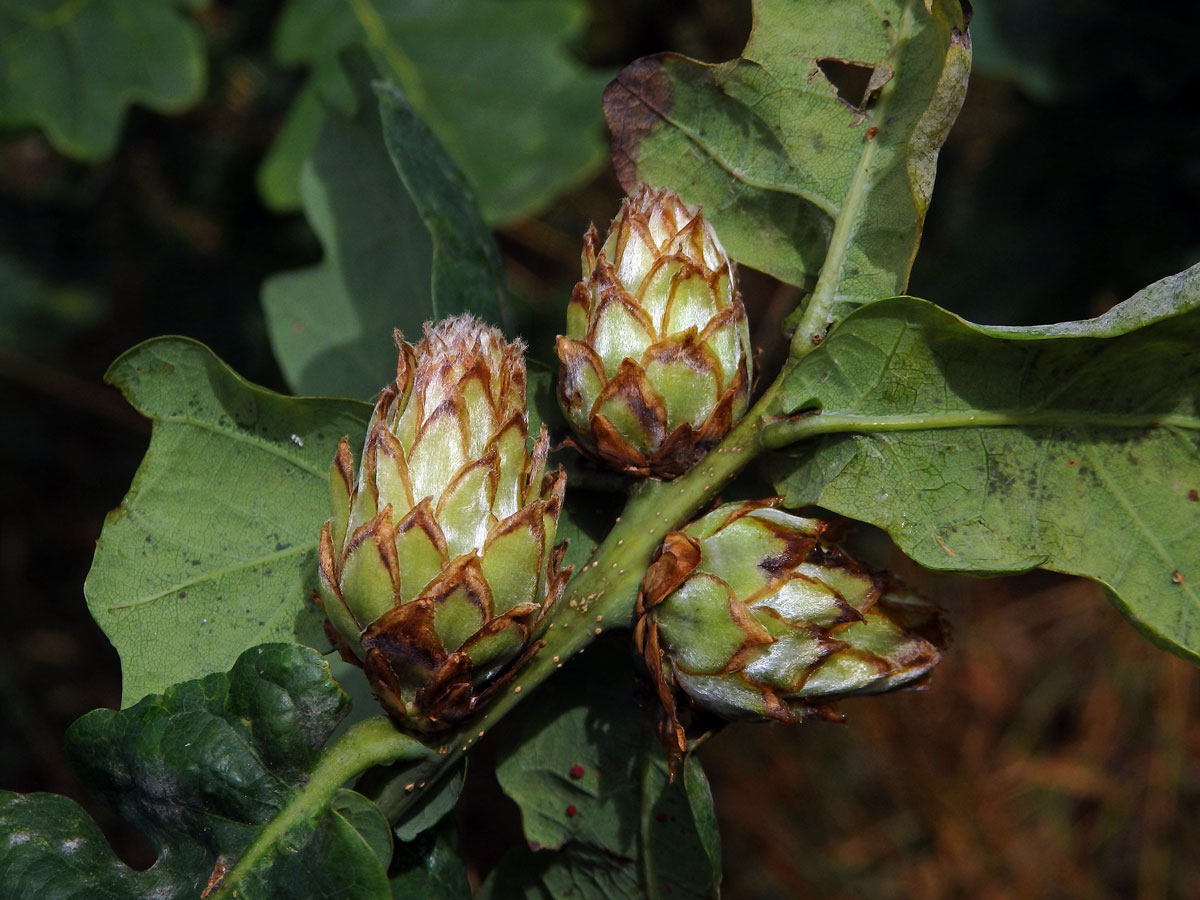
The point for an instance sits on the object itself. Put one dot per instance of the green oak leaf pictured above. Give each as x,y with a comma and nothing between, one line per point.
73,68
468,271
615,826
213,549
1073,447
202,770
813,152
432,805
329,87
331,324
429,868
494,79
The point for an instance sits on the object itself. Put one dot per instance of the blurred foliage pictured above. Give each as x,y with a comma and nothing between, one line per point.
73,69
1054,739
494,80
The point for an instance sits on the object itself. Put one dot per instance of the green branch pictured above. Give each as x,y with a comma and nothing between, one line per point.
374,742
602,594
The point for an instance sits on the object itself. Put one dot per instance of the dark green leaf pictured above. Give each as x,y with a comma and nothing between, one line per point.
541,399
365,817
429,868
468,273
1074,447
331,325
328,88
493,79
73,69
200,769
434,803
213,549
816,150
573,872
626,831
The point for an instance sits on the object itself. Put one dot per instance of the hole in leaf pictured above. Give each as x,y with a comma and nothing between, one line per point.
853,81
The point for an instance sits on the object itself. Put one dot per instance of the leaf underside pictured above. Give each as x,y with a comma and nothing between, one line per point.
213,549
1073,447
834,111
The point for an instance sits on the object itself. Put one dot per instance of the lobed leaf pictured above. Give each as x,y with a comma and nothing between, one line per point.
468,272
493,78
813,152
1073,447
213,549
429,868
73,69
331,324
614,826
200,769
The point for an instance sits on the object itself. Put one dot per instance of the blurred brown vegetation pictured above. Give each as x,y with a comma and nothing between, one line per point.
1057,754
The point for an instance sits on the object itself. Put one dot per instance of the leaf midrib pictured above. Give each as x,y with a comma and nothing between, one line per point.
261,444
826,293
788,431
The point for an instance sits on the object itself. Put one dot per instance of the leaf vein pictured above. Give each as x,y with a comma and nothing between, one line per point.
1135,517
213,574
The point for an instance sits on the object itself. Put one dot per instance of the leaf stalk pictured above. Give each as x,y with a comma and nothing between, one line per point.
373,742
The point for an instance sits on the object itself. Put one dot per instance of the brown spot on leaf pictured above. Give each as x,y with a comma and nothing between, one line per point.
634,102
1194,495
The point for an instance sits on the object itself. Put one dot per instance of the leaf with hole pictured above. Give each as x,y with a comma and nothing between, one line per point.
813,152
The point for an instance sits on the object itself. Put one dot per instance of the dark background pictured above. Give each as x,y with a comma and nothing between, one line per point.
1056,754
